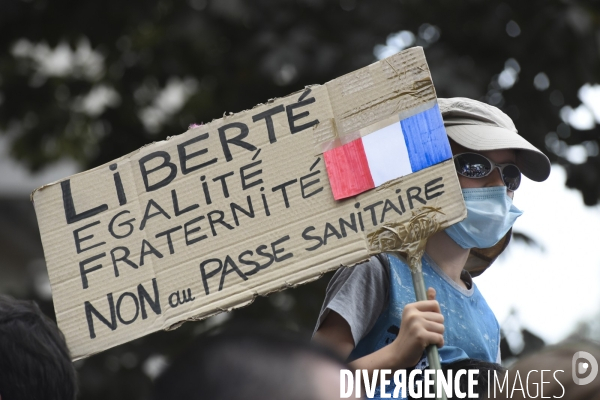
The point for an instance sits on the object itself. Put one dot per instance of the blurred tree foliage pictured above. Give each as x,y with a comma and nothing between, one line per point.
81,78
93,80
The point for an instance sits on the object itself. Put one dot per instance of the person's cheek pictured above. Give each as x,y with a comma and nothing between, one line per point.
468,183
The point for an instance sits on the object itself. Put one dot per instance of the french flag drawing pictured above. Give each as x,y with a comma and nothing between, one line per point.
399,149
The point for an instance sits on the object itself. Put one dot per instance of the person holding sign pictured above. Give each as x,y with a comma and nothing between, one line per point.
370,315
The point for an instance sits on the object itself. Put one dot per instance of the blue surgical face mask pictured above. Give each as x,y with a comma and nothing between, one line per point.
490,214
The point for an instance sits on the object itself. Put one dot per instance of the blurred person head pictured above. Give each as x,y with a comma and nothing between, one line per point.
253,365
562,364
34,358
486,371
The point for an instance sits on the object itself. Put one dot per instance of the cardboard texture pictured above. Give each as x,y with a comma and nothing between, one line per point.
205,221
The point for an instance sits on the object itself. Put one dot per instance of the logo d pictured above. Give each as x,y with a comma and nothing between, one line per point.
579,368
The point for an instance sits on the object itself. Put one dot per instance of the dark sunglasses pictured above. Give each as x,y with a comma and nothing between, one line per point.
473,165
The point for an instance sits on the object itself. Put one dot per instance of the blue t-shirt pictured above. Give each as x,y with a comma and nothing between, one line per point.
471,329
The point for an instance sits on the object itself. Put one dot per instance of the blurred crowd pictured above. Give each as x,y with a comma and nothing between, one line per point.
252,364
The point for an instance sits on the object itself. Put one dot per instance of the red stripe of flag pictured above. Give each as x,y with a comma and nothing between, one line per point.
348,170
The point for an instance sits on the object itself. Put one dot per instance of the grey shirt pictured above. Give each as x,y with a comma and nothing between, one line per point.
360,294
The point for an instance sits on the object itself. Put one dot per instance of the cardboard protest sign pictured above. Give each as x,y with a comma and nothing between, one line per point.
243,206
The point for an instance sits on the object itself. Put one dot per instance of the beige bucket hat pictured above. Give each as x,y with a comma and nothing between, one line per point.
479,126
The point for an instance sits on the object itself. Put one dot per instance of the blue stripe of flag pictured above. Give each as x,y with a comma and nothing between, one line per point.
426,139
